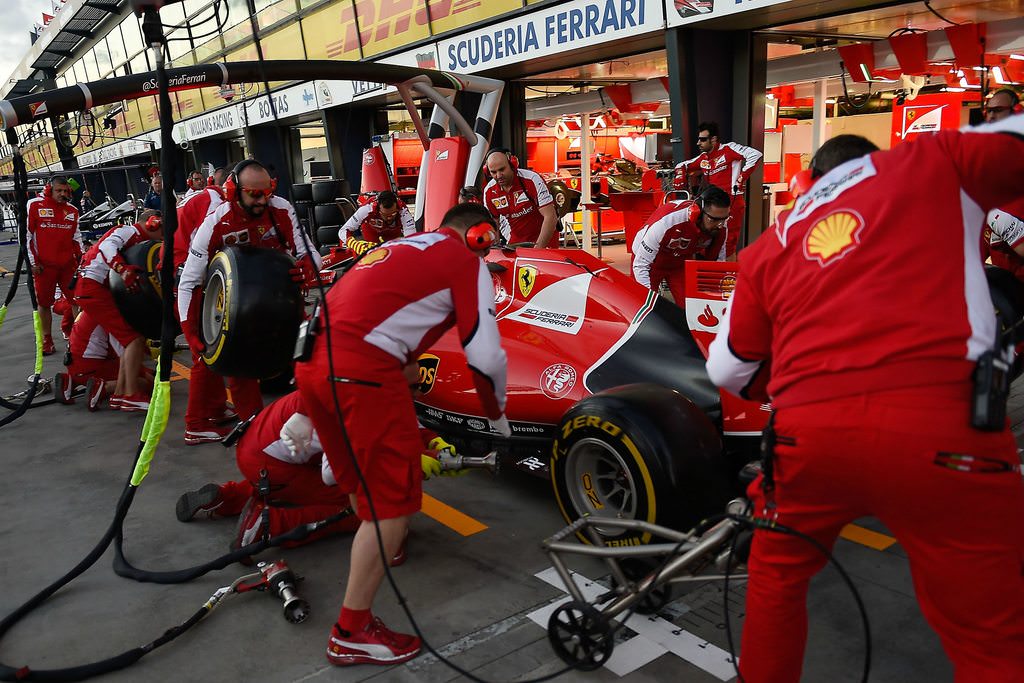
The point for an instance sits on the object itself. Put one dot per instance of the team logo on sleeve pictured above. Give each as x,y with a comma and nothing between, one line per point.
373,257
428,372
833,237
500,202
526,277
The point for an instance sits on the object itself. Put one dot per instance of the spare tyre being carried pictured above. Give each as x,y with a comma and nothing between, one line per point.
251,312
142,308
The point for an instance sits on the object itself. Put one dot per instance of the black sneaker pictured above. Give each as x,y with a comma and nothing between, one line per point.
62,388
202,502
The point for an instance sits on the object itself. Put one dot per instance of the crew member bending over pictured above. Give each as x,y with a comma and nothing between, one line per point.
677,232
94,296
385,218
251,215
423,285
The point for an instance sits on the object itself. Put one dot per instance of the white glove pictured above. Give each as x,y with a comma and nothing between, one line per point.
326,473
297,434
501,427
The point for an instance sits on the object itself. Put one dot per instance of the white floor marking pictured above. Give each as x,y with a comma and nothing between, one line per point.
655,636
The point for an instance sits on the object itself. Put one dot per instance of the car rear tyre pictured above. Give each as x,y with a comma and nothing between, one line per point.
639,452
251,312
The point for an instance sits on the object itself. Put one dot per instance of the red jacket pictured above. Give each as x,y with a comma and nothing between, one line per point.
727,166
53,236
190,216
374,227
96,262
422,286
518,210
228,224
830,297
671,238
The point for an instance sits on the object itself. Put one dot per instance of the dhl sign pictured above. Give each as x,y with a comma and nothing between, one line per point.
380,25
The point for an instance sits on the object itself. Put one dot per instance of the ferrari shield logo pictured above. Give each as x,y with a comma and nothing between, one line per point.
526,277
428,372
833,237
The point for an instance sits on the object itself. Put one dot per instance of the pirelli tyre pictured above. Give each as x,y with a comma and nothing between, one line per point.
250,313
642,452
142,309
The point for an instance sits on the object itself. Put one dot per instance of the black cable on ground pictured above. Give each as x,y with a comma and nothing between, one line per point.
21,206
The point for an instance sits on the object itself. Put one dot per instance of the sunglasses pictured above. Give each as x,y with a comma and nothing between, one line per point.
257,193
703,138
716,221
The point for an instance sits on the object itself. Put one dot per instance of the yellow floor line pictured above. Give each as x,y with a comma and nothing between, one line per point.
450,517
872,539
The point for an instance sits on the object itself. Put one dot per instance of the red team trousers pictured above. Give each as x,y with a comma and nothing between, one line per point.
963,532
297,492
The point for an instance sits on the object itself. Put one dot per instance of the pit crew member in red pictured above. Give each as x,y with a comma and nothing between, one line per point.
519,200
298,494
54,248
94,296
727,166
867,357
677,232
1006,237
423,285
193,212
385,218
251,215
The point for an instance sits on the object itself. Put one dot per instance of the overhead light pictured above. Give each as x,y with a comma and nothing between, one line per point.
771,96
830,100
947,89
1015,56
997,73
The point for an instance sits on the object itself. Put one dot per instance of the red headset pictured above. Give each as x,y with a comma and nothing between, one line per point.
48,190
481,236
478,237
154,223
231,184
513,160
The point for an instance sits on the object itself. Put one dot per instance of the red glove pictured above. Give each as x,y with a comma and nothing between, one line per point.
303,271
190,325
132,276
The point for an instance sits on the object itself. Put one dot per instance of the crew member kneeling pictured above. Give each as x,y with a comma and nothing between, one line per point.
868,357
423,285
383,219
251,215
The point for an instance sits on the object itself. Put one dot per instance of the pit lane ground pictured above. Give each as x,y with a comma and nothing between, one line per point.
475,580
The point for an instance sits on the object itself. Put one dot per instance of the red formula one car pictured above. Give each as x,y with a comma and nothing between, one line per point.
607,392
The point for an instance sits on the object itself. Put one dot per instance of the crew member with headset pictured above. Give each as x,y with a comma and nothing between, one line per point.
889,387
54,248
250,215
519,200
423,285
196,183
93,295
385,218
677,232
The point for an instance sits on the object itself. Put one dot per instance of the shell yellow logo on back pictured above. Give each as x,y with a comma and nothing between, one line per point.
833,237
373,257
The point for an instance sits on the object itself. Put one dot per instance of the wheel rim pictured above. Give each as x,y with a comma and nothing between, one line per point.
214,302
600,483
